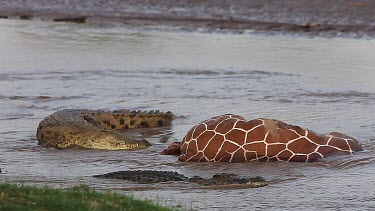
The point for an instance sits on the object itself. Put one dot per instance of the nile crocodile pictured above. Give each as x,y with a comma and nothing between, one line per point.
146,177
98,129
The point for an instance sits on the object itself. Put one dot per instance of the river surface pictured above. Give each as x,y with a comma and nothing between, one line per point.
324,84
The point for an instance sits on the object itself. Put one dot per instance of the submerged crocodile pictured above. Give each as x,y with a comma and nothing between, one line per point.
147,177
98,129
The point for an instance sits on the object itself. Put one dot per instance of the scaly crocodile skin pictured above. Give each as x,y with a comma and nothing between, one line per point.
146,177
97,128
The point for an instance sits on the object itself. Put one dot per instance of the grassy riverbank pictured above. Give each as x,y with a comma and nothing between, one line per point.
14,197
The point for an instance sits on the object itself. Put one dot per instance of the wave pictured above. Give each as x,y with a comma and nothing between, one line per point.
74,75
40,97
348,94
350,161
334,97
222,72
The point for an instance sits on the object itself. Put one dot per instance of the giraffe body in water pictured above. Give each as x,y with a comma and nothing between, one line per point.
230,138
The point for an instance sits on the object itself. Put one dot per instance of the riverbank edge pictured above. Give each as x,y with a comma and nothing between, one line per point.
25,197
210,24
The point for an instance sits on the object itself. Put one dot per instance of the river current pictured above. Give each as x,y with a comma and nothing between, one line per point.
324,84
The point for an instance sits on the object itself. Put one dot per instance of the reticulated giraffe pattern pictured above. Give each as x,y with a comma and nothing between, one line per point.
230,138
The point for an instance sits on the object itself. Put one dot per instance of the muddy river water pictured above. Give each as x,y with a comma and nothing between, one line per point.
324,84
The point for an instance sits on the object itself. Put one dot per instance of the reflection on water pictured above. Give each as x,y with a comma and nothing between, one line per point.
323,84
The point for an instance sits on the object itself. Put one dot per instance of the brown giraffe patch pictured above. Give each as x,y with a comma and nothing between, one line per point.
326,150
237,136
259,134
339,143
302,145
229,147
262,159
298,158
204,139
274,149
189,145
230,138
224,158
248,125
285,155
258,147
216,143
225,126
315,156
354,146
239,156
250,155
197,132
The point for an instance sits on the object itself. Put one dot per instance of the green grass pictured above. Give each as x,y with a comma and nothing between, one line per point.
14,197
